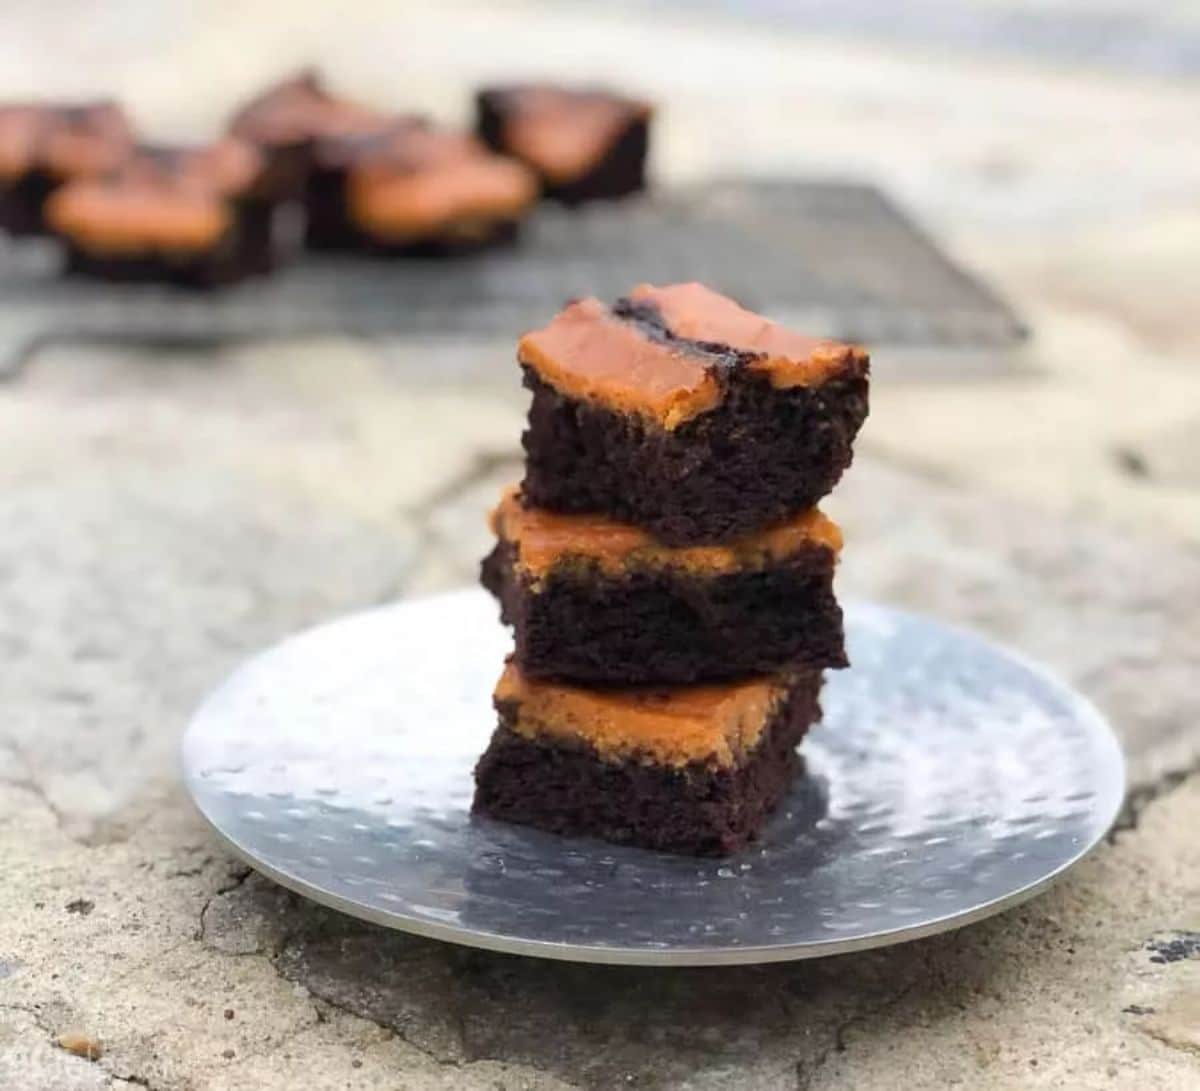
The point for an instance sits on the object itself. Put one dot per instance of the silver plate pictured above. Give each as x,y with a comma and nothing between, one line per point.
950,780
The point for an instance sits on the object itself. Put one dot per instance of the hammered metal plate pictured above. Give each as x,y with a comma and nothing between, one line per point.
950,780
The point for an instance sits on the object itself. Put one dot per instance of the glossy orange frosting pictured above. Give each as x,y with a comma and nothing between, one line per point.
544,539
588,354
564,133
434,183
137,217
697,313
715,724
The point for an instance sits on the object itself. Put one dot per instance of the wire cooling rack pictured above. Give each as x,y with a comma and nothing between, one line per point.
840,259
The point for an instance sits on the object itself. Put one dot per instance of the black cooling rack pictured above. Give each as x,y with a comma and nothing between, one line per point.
839,259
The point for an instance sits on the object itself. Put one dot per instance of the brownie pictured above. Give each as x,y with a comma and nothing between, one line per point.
681,412
328,224
43,145
696,770
584,144
194,216
418,189
288,119
603,603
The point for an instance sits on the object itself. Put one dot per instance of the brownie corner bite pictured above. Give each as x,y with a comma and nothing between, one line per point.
679,411
585,144
696,770
603,603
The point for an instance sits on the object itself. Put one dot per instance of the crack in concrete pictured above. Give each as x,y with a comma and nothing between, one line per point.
237,878
319,998
420,513
482,463
806,1074
132,1080
32,1011
1141,797
29,783
1163,1037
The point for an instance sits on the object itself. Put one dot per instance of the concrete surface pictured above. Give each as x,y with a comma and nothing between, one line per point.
163,515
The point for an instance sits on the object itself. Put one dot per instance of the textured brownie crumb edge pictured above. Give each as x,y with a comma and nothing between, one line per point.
244,251
761,456
670,627
568,789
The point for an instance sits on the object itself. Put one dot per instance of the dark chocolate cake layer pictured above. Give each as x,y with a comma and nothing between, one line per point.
22,201
760,456
229,261
697,809
670,626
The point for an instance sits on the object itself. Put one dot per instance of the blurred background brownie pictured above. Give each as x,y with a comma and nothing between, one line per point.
598,602
328,225
583,144
679,411
287,120
694,770
423,190
44,145
194,216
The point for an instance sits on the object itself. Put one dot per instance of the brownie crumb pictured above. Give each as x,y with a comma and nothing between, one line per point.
87,1046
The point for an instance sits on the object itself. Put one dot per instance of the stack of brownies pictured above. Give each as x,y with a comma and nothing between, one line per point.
665,569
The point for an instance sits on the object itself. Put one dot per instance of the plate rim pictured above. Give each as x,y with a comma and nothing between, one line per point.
1085,709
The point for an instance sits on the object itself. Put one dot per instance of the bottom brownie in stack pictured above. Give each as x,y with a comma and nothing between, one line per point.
694,770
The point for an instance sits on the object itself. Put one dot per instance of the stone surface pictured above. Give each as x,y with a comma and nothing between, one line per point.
179,519
164,514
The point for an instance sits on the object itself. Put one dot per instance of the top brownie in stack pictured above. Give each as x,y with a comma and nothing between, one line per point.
677,410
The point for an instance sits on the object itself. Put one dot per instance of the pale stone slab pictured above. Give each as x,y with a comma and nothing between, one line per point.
162,521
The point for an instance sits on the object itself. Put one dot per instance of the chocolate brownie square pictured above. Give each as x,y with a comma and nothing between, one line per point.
421,190
328,223
602,603
584,145
286,121
682,413
191,216
43,145
695,770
